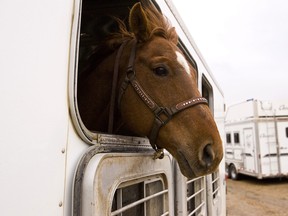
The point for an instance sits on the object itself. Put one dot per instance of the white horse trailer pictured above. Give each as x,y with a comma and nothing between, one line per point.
257,139
50,164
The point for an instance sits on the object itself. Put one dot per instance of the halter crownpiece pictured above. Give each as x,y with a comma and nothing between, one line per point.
162,114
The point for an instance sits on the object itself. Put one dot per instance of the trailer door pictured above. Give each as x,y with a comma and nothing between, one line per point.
249,150
111,182
282,132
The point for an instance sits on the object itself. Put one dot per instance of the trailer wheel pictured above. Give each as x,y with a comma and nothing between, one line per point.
233,172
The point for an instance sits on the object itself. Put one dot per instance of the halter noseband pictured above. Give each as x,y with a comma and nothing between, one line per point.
162,114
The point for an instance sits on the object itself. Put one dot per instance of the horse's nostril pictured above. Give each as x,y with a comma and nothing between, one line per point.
207,156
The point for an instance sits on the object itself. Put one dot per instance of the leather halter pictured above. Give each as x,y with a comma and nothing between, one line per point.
162,115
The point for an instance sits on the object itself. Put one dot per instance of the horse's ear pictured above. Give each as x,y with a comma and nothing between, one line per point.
138,22
173,35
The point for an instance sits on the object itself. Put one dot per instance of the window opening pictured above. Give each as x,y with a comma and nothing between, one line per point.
228,138
236,138
207,92
95,22
286,131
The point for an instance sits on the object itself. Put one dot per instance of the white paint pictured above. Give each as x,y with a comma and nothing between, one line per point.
181,59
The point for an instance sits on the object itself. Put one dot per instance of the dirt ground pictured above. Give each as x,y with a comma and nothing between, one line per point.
250,196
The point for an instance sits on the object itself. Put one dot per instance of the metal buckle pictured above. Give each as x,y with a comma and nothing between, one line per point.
163,115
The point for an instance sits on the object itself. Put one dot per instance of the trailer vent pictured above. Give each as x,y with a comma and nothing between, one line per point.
195,196
215,184
146,198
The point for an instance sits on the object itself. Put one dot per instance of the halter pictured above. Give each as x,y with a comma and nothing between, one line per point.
162,115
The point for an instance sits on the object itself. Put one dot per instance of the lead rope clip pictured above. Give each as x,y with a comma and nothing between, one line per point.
158,154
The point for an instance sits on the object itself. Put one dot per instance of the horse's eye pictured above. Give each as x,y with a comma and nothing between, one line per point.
160,71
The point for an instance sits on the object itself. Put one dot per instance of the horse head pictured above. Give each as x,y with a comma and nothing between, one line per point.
157,93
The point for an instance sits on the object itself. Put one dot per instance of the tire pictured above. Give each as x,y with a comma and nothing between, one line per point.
233,174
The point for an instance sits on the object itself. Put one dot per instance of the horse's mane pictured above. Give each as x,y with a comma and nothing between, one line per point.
158,25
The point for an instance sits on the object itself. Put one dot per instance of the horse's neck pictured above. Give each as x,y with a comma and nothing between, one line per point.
94,90
94,94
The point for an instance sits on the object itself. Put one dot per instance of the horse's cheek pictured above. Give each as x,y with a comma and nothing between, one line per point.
135,114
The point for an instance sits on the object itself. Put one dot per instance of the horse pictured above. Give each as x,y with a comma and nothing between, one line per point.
140,83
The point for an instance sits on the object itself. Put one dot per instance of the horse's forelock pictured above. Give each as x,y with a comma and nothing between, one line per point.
159,32
159,24
170,35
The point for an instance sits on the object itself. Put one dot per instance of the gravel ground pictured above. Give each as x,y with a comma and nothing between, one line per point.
250,196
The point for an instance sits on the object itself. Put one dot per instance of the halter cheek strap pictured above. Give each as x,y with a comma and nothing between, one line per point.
114,86
162,115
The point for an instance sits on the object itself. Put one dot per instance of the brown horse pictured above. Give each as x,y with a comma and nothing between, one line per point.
144,85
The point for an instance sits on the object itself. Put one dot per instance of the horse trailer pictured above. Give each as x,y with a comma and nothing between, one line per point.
51,164
257,139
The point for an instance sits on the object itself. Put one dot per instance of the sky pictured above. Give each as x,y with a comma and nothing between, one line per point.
245,44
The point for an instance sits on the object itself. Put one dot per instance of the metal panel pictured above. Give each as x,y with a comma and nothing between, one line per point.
33,112
102,179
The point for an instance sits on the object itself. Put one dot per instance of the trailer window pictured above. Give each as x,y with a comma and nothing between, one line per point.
236,138
228,138
286,131
207,92
215,184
